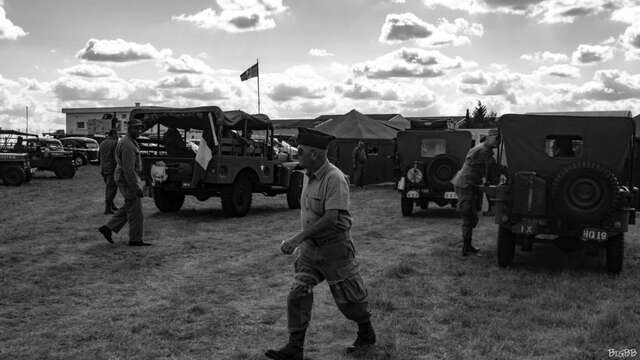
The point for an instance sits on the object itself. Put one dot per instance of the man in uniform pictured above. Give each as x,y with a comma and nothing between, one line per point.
477,165
324,250
19,146
127,176
359,159
107,168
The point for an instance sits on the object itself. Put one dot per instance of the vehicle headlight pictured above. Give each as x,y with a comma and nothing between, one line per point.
414,175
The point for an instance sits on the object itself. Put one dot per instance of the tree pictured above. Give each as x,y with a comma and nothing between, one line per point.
479,114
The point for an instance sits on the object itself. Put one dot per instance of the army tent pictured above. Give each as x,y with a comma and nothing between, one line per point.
379,139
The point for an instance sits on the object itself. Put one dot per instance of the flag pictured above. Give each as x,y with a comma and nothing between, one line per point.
208,142
249,73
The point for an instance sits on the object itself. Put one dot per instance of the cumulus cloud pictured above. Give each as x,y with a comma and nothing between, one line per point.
502,83
408,63
610,85
8,30
559,70
119,51
73,88
591,54
629,13
237,15
185,64
630,41
359,91
545,56
405,27
286,92
320,52
88,70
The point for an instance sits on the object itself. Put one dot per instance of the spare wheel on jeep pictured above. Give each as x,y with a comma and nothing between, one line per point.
236,198
441,170
14,176
295,189
167,201
64,170
584,192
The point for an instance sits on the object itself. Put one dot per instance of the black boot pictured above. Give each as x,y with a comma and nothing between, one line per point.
366,338
466,241
292,351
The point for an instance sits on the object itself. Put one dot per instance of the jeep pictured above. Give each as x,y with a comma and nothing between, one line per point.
428,160
226,164
14,168
44,154
569,182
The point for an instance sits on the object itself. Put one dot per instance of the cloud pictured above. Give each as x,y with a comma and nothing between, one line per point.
320,52
610,85
559,70
501,83
358,91
630,41
69,89
408,63
237,15
591,54
546,56
406,27
185,64
88,70
9,31
286,92
119,51
628,14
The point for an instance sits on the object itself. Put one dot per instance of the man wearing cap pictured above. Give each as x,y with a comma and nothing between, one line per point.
324,250
107,168
127,177
466,184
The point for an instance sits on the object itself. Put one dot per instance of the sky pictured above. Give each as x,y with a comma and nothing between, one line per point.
412,57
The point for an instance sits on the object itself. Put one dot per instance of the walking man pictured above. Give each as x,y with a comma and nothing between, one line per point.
359,159
107,168
127,177
466,184
324,250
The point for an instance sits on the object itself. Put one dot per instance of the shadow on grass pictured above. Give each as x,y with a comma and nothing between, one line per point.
216,213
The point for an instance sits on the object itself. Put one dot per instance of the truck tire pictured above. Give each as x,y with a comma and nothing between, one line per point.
236,199
13,176
506,246
406,205
167,201
615,253
295,190
584,192
79,160
441,170
64,171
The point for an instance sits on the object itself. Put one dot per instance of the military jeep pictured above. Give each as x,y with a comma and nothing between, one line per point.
44,154
227,164
428,160
14,168
568,182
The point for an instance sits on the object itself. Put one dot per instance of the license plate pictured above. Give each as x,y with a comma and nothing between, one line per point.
450,195
412,194
528,229
186,184
594,234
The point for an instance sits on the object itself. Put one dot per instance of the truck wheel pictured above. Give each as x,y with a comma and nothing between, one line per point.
167,201
506,247
615,253
79,160
236,199
441,170
14,176
406,205
65,171
295,190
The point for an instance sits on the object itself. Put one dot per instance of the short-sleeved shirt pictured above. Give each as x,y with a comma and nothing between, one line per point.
325,189
475,167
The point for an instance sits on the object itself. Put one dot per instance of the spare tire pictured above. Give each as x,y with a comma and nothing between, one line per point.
584,192
441,170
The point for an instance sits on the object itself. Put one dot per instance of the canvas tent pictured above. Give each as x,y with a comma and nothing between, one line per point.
380,139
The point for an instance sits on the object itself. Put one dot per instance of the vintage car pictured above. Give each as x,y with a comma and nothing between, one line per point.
44,154
85,150
226,164
569,182
428,160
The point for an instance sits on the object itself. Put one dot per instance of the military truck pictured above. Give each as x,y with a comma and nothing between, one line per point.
569,182
428,160
227,164
44,154
15,169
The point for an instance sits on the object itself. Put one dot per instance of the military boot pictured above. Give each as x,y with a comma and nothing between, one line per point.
366,338
292,351
466,241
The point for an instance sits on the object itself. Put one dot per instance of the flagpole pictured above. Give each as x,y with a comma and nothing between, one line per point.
257,63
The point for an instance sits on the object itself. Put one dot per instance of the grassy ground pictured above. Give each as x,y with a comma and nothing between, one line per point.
215,288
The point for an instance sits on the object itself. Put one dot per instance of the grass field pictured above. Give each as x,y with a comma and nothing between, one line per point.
215,288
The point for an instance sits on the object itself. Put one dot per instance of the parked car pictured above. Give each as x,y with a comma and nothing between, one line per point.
569,183
44,154
85,150
14,168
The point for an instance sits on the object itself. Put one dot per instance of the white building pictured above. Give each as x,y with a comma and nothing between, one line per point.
90,121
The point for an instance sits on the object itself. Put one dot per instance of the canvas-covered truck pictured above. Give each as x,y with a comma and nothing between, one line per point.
428,160
228,163
569,182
